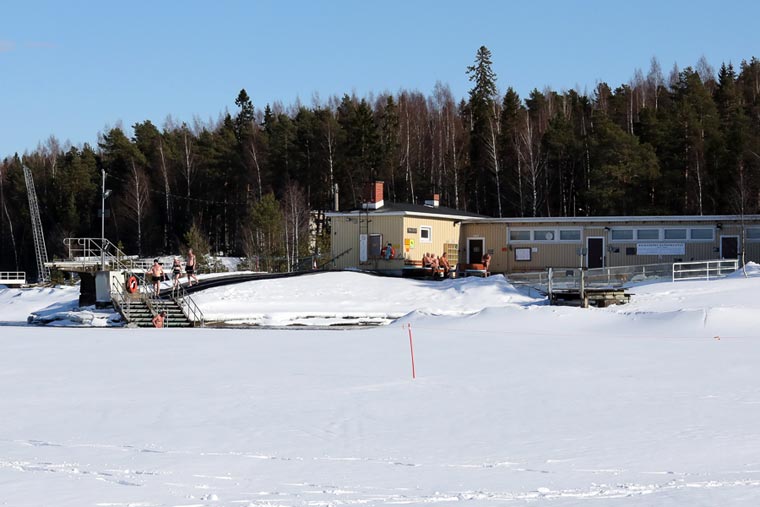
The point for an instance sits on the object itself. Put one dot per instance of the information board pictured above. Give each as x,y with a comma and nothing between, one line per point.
660,248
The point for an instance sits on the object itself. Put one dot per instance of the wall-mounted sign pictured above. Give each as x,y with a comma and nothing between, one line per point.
522,254
660,248
411,230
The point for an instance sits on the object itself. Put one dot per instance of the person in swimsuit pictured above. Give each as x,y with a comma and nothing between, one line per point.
487,262
156,273
176,272
444,263
158,320
190,268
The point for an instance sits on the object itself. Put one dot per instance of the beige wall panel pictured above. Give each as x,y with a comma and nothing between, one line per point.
346,235
443,231
543,254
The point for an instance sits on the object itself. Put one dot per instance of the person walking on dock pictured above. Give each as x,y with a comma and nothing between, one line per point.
190,268
176,272
156,273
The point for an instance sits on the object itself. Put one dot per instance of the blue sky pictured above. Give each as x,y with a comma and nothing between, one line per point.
71,69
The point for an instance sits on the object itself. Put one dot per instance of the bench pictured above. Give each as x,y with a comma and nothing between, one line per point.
472,270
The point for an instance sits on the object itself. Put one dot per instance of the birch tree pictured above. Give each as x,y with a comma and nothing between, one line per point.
136,200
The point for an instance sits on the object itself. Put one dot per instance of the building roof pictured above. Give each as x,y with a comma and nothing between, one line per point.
400,209
619,219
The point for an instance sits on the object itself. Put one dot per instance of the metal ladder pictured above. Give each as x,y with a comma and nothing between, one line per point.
43,272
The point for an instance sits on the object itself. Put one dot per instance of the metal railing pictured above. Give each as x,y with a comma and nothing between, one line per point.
121,299
14,277
152,297
570,278
188,306
98,251
703,270
325,265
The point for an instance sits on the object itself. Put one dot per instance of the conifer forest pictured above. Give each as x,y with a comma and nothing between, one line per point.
257,182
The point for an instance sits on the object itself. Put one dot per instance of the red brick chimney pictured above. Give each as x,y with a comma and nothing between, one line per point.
434,202
373,195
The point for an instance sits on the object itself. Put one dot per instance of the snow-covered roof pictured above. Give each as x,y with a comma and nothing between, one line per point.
404,209
621,219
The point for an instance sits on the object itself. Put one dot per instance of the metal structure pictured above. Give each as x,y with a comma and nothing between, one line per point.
704,270
91,254
88,255
12,278
43,271
570,278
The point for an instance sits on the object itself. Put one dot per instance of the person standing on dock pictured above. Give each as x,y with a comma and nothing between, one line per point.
190,268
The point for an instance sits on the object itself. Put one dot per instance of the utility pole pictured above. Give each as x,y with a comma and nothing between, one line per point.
103,220
103,196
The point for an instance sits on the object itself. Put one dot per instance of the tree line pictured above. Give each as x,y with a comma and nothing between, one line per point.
256,183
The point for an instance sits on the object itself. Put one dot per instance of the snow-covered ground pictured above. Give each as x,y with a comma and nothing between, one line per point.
351,298
515,402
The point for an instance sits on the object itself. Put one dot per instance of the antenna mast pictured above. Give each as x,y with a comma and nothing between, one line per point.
43,272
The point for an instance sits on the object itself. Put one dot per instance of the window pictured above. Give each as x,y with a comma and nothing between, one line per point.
426,234
545,235
519,235
675,234
621,235
570,235
702,234
648,234
753,234
540,235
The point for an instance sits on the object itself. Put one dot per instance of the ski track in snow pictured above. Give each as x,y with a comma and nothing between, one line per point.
221,488
634,405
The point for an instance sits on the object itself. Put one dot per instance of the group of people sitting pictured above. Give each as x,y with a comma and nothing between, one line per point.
436,264
429,260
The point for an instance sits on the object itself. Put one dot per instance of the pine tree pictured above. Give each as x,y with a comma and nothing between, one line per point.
483,155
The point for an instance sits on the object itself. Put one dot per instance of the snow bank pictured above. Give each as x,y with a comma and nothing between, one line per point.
57,306
352,298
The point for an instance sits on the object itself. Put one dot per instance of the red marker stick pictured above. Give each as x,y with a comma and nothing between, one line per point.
411,349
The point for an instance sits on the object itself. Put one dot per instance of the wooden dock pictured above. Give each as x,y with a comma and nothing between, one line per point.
599,297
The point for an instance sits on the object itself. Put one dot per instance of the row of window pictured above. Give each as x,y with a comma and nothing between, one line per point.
663,234
545,235
621,234
616,234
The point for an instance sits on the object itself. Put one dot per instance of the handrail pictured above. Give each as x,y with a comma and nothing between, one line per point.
13,276
99,250
703,270
188,306
118,297
344,252
152,298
